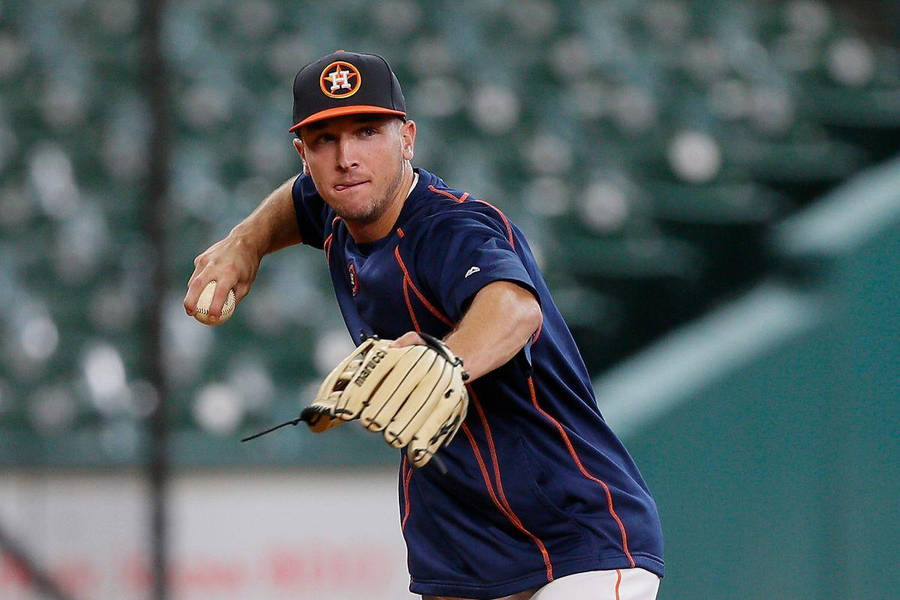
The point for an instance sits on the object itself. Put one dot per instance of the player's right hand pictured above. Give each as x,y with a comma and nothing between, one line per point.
232,263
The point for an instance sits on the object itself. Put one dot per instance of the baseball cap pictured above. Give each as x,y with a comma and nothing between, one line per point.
345,83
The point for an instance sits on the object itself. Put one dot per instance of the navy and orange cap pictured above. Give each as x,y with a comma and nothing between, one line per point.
346,83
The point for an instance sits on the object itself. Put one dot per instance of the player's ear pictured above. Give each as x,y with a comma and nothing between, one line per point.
408,139
298,144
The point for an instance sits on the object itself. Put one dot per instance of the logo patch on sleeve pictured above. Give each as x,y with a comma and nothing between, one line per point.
471,271
354,279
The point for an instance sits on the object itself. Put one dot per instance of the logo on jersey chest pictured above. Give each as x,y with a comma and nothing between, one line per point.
353,277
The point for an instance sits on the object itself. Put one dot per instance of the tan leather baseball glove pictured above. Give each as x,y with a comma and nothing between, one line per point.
415,395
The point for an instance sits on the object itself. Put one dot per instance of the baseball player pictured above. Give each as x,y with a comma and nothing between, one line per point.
511,485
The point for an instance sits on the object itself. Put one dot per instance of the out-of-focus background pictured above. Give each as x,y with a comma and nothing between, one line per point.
713,189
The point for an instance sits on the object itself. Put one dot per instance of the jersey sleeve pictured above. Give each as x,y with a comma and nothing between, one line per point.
311,211
465,252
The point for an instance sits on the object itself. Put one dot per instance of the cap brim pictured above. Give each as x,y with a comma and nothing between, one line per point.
342,111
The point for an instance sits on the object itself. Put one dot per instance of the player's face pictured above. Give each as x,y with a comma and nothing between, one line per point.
357,162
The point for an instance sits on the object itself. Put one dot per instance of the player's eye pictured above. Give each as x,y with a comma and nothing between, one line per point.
321,140
368,131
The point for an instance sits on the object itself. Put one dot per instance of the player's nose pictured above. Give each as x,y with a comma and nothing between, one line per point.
346,153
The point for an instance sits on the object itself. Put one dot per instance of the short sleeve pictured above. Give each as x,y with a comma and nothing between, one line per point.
464,253
311,210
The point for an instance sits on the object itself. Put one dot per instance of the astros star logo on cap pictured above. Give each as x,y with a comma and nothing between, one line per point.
331,86
340,79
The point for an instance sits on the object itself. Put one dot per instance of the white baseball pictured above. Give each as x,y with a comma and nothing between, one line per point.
205,299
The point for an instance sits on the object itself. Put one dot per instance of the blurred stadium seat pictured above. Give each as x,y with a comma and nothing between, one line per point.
646,147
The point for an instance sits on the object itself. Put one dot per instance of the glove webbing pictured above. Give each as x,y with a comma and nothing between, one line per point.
306,418
437,345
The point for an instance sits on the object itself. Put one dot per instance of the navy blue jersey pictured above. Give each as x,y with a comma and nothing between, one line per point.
538,486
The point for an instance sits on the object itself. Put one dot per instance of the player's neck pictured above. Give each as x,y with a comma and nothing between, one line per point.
370,232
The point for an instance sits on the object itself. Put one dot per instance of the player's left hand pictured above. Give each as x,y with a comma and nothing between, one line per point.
413,392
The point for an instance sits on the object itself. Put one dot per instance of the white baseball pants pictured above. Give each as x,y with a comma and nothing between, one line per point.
617,584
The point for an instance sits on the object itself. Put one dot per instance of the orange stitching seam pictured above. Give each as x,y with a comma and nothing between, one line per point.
496,465
406,481
568,442
419,294
512,517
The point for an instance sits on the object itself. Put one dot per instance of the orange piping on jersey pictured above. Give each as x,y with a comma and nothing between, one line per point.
537,333
484,472
618,581
568,442
327,246
406,480
444,193
496,464
509,231
400,232
460,199
404,464
509,514
419,294
412,313
493,450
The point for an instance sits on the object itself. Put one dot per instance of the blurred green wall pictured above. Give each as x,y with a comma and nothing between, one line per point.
780,479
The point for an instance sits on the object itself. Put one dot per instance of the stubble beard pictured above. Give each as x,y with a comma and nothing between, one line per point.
378,206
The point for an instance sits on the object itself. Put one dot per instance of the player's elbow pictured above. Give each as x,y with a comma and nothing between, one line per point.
524,309
531,317
514,307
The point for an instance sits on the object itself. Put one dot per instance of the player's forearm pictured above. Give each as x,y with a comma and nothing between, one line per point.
499,322
272,225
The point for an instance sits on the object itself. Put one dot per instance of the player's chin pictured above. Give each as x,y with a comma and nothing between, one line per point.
356,213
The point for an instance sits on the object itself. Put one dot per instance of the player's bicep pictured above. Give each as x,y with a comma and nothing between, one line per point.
508,292
509,301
